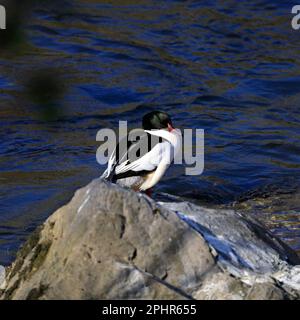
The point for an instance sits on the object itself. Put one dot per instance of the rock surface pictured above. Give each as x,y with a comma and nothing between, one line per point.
112,243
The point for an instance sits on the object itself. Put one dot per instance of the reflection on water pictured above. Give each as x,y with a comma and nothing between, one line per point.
229,67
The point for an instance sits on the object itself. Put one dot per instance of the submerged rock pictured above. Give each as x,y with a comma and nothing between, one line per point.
112,243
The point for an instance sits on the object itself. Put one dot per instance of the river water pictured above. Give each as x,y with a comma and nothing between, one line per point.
229,67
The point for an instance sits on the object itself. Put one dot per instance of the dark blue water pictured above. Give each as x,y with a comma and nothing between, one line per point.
229,67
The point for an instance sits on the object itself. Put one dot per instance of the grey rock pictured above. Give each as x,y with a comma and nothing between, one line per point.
244,248
221,286
265,291
112,243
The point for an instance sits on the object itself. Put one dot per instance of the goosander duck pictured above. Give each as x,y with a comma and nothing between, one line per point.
141,164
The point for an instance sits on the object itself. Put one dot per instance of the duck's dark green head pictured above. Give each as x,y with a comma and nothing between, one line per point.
157,120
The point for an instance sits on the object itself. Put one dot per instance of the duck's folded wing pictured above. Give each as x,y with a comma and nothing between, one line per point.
150,161
140,157
128,151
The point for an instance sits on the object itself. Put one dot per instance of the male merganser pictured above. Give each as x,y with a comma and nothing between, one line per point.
141,164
